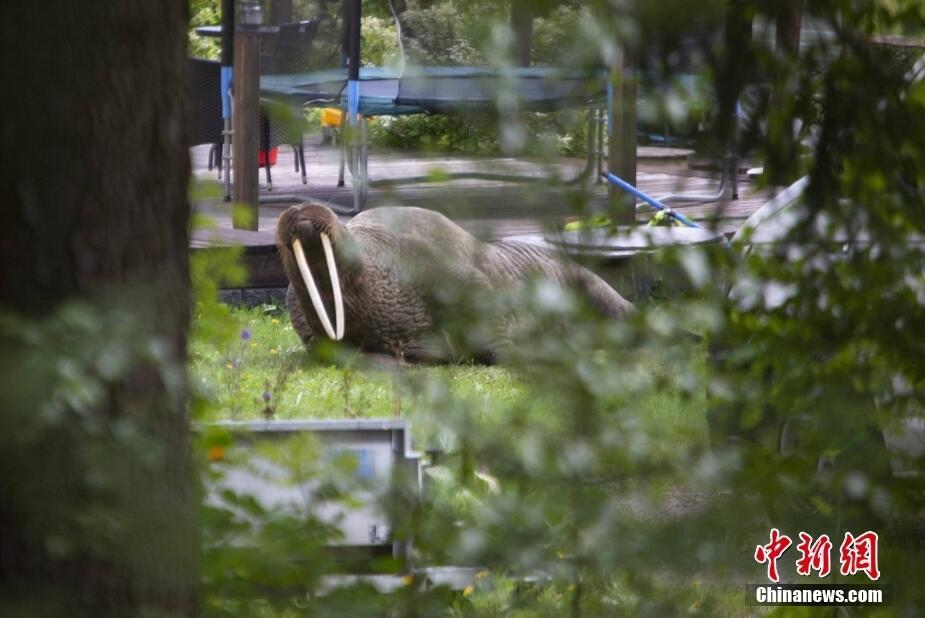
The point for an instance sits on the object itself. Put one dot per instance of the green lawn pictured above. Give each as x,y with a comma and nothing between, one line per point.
266,366
265,357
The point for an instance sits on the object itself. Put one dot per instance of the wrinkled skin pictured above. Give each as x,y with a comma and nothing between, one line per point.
395,265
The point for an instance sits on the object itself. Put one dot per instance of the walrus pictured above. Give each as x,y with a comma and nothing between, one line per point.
385,273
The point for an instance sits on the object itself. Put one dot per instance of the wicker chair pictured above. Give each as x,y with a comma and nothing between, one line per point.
206,123
277,131
287,52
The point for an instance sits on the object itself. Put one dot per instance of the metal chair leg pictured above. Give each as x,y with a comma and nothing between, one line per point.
359,170
265,130
343,151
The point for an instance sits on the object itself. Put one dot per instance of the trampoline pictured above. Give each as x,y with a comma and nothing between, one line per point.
437,89
368,91
383,91
337,79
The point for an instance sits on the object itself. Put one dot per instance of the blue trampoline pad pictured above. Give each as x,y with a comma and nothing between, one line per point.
444,90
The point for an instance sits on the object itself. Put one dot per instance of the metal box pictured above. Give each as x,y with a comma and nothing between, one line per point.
383,455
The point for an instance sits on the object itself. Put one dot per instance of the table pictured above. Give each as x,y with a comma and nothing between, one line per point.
216,31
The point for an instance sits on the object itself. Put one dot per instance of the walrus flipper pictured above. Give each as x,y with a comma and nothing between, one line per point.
600,295
519,260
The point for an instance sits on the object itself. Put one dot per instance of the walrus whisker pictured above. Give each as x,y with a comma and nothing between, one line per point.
313,293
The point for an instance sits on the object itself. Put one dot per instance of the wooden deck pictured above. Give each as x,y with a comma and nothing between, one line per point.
490,210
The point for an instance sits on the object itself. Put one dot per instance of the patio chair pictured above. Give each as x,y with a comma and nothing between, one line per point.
207,126
275,132
206,122
286,52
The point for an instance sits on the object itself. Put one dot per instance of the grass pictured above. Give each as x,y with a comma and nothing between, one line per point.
265,368
265,365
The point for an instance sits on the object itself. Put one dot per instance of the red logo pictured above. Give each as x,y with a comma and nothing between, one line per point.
772,551
857,554
814,555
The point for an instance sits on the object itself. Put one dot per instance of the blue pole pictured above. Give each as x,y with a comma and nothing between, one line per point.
651,201
353,101
226,84
227,55
226,78
353,60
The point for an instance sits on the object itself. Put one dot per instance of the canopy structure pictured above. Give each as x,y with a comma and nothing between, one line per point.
373,91
439,90
333,77
336,79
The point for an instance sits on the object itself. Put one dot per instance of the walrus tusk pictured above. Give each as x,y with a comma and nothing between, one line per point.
335,284
313,293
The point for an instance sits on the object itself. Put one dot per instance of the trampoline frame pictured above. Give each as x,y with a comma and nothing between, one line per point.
355,144
355,157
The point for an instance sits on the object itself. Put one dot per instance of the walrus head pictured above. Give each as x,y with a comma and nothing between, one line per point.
306,236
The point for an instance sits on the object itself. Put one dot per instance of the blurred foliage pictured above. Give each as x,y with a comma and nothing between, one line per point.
547,134
672,106
577,479
204,13
238,372
580,481
82,433
466,34
476,33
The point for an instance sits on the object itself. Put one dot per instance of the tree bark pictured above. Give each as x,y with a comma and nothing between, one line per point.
96,501
280,11
781,162
789,20
522,27
621,157
246,121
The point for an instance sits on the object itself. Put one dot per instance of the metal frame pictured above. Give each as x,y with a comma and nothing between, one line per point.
355,156
728,186
355,145
651,201
348,432
457,578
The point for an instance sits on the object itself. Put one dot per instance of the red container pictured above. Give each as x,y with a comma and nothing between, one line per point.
262,160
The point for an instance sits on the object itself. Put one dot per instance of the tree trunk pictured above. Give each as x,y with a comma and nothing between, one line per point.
781,161
280,11
621,148
97,511
789,20
522,27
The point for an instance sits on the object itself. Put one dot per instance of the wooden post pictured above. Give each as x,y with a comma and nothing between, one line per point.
280,11
788,25
622,148
522,27
779,164
246,125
